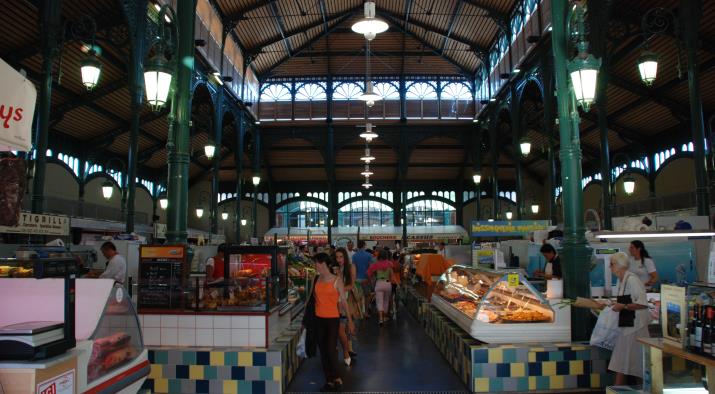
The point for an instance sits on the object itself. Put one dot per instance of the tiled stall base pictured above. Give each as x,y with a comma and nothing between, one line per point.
203,330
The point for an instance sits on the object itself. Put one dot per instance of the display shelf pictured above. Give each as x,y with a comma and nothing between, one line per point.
654,348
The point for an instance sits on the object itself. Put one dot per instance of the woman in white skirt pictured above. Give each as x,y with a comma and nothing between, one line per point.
627,356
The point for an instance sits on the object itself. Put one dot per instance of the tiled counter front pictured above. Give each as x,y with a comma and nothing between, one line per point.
517,368
414,302
225,370
204,330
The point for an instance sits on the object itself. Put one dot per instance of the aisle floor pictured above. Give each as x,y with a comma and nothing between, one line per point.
398,357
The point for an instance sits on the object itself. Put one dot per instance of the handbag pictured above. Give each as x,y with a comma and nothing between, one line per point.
626,318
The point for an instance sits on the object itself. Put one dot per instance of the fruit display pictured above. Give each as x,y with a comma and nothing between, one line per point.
7,271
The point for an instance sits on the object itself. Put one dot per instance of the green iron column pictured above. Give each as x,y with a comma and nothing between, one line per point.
402,175
493,138
478,169
178,160
549,120
217,138
136,17
691,12
515,113
256,172
238,161
332,195
50,26
575,254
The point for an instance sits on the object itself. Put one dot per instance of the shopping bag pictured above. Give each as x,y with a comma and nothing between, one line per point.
300,348
606,330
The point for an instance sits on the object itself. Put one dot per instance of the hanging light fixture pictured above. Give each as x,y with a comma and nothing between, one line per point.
199,211
525,146
367,171
509,215
367,183
256,180
584,67
163,201
368,95
107,189
157,79
477,177
209,149
368,134
90,68
243,222
224,215
534,208
648,67
368,157
629,185
369,26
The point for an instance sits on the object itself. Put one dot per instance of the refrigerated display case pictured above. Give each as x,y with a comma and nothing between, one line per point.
500,306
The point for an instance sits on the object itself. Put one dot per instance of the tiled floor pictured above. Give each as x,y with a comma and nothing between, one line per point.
398,357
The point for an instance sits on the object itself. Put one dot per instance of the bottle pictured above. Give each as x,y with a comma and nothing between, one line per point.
707,328
699,329
711,319
692,316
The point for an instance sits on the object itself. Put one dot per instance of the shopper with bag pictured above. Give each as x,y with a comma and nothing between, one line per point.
328,297
382,270
632,308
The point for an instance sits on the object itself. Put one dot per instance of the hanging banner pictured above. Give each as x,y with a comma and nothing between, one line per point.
31,223
17,108
507,228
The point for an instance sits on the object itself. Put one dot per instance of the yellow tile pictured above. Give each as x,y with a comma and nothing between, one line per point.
230,386
532,383
217,358
556,382
595,380
577,348
548,368
518,370
196,372
496,355
532,357
576,367
161,385
245,359
155,372
277,375
481,385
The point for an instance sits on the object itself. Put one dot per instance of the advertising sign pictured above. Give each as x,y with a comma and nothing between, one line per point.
507,228
31,223
17,108
62,384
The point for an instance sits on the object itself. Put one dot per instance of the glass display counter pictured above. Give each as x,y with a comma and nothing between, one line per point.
500,306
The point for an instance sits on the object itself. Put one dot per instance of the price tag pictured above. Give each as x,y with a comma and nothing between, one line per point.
513,280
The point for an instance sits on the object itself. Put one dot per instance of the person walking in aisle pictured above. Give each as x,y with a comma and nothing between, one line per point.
329,294
347,272
642,264
382,270
362,260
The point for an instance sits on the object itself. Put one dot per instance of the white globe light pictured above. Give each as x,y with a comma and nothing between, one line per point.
369,95
367,172
243,222
256,180
90,69
584,74
648,67
199,212
525,147
509,215
209,149
224,215
534,208
163,202
157,81
107,190
629,186
368,134
367,158
369,26
477,178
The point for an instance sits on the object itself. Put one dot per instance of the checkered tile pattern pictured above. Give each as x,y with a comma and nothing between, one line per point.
414,302
225,370
520,367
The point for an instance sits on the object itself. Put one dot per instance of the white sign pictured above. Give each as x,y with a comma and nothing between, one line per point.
711,264
31,223
17,108
62,384
160,230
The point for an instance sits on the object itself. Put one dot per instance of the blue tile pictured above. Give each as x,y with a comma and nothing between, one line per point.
182,371
503,370
202,386
175,386
534,369
542,356
151,358
148,384
509,355
586,367
481,356
203,358
496,385
522,384
259,387
543,383
569,355
562,367
161,357
556,356
259,359
583,381
238,373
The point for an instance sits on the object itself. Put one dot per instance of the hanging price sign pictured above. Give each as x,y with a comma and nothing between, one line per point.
513,280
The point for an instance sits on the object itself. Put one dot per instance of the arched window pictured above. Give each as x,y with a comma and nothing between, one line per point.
311,92
456,91
421,91
516,24
276,92
387,90
365,213
302,214
430,213
347,91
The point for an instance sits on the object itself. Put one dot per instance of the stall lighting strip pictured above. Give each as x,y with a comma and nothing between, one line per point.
653,235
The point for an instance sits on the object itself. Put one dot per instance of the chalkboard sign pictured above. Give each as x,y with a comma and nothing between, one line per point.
161,279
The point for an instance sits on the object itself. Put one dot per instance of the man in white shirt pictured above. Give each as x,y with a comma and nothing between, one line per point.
441,250
116,266
351,250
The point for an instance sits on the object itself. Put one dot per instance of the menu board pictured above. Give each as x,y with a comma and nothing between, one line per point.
161,276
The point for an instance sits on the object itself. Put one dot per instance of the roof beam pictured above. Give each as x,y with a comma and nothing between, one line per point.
679,111
452,20
459,67
305,46
88,98
406,25
394,18
278,18
362,51
109,136
241,12
491,11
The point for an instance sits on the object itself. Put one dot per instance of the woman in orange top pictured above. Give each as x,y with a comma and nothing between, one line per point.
329,291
